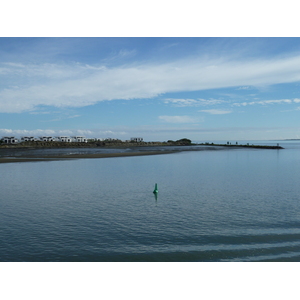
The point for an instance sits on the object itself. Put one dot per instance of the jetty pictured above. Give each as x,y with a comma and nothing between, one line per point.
244,146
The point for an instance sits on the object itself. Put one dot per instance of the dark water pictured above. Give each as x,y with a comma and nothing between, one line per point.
227,205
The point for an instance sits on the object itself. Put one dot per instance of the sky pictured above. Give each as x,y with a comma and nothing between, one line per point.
157,88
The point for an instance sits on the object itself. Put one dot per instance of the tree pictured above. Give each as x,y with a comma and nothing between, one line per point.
184,141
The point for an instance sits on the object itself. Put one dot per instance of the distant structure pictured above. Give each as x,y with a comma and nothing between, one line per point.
47,138
9,140
28,139
14,140
136,139
65,139
79,139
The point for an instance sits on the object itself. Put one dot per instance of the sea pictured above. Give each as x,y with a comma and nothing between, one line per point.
214,204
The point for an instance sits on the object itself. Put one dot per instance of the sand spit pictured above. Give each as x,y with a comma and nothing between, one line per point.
15,153
79,156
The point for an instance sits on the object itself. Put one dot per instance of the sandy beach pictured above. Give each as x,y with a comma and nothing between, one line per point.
29,158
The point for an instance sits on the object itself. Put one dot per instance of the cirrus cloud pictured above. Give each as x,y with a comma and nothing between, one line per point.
192,102
23,87
216,111
267,102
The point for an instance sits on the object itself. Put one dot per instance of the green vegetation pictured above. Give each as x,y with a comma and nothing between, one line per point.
181,142
184,141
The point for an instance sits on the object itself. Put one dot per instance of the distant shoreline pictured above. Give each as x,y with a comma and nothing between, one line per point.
29,157
58,145
79,156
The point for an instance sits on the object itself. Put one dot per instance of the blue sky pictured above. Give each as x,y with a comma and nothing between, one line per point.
155,88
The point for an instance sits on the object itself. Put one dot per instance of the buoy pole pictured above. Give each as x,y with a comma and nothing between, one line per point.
155,189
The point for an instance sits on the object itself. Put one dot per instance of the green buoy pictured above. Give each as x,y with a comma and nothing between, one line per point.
155,189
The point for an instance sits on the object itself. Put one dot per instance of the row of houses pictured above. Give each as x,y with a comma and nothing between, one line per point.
68,139
14,140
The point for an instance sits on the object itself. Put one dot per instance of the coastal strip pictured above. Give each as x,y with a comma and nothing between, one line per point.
30,157
79,156
244,146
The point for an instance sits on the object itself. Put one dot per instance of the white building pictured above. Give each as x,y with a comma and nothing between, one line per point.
10,140
136,139
79,139
47,139
63,139
28,139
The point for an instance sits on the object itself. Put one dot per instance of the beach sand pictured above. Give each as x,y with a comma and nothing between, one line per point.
26,156
29,158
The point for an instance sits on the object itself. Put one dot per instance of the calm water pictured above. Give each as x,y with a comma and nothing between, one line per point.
226,205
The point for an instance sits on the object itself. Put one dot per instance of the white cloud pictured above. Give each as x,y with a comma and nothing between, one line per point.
24,132
266,102
181,102
192,102
243,88
216,111
210,101
77,85
178,119
67,132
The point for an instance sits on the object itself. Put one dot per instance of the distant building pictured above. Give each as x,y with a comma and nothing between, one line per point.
79,139
47,138
63,139
28,139
10,140
136,139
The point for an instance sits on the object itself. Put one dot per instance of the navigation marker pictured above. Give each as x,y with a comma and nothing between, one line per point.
155,189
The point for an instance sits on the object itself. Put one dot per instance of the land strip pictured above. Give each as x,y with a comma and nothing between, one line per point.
245,146
29,158
10,156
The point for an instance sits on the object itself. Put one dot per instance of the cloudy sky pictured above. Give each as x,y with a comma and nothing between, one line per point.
204,89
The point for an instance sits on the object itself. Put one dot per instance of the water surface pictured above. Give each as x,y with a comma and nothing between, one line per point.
230,205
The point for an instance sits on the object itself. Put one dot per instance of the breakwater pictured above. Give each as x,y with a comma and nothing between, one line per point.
244,146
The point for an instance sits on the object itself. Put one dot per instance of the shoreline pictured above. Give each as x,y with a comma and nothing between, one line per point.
31,157
79,156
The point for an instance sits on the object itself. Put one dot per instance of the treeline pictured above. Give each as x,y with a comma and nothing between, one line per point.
181,142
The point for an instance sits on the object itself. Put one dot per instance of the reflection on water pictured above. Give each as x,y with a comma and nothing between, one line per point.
231,205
